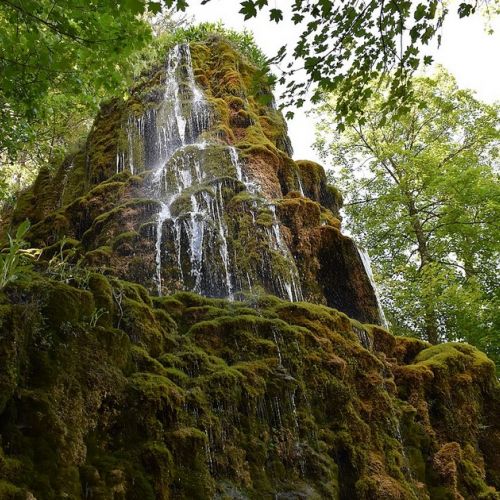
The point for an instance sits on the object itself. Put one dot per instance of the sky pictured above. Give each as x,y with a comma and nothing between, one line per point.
467,51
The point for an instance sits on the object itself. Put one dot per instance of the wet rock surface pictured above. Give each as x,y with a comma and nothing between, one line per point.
185,187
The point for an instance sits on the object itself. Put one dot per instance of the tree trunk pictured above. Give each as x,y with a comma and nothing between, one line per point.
430,314
431,324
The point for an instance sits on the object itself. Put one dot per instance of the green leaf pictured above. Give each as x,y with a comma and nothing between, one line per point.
154,7
276,15
420,11
135,6
248,9
465,9
22,229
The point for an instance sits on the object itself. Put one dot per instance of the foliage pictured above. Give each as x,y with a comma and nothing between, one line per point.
243,41
62,55
346,46
96,315
167,38
14,177
62,267
424,199
15,259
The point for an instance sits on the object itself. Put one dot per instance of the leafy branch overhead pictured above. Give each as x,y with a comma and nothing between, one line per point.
69,56
347,45
77,49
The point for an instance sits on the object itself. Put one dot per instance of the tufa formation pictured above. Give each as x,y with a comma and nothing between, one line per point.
198,327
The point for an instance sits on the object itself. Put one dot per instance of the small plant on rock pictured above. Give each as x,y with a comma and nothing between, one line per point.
15,259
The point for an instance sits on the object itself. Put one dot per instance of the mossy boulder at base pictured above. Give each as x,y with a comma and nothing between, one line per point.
190,397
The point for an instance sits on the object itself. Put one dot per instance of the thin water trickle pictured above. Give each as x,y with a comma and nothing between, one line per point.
162,217
236,162
280,359
301,187
290,283
365,259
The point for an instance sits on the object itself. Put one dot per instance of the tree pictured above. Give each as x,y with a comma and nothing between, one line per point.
57,55
80,49
424,200
347,45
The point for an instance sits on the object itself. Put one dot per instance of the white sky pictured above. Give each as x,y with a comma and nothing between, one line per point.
467,51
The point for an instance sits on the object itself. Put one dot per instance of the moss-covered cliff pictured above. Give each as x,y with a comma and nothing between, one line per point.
108,197
190,397
118,383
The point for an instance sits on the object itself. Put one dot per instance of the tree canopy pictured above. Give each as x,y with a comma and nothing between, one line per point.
60,56
56,56
424,199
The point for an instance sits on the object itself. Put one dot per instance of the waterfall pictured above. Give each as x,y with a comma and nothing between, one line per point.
169,122
301,187
365,259
291,283
193,176
162,216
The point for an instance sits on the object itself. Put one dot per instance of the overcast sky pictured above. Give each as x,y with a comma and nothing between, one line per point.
467,51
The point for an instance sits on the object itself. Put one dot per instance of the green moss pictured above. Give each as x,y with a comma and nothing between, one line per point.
316,186
156,390
65,304
455,357
216,389
139,321
101,256
125,239
336,195
8,491
103,298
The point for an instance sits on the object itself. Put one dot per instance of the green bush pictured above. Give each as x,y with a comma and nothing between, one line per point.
243,41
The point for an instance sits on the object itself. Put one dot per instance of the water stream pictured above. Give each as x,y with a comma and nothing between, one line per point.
365,259
192,174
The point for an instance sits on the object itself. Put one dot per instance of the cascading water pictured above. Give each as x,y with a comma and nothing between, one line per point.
365,259
291,285
191,176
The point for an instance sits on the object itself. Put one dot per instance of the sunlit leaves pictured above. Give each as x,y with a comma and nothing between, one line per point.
63,48
423,196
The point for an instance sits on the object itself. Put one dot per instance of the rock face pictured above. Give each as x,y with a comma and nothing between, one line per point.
196,324
188,185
